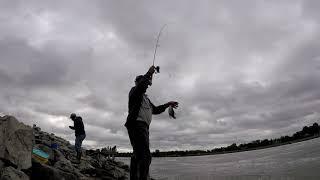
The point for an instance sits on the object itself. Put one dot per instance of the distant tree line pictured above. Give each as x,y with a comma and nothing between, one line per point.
307,132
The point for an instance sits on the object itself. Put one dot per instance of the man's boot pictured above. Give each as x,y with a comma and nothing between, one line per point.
79,156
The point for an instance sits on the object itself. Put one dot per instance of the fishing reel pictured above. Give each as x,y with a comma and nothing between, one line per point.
157,68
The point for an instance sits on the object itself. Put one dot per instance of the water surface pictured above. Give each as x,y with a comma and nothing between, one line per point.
298,161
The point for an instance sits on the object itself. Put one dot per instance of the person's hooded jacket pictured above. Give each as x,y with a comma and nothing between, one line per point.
135,100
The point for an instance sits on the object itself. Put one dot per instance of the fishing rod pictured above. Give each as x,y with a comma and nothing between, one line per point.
170,109
156,47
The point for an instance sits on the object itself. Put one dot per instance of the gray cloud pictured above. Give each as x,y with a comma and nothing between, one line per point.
240,70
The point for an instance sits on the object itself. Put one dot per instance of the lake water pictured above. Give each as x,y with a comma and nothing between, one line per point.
299,161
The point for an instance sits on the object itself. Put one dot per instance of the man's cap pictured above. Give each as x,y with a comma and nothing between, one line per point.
138,78
73,115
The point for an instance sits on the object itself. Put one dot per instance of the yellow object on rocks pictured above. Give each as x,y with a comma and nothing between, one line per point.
40,156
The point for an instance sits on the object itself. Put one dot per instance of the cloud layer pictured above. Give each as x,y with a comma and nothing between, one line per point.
240,70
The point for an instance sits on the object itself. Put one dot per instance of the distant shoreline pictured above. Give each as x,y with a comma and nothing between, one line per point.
251,149
307,133
228,152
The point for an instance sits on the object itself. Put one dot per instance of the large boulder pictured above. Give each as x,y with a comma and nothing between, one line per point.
16,140
10,173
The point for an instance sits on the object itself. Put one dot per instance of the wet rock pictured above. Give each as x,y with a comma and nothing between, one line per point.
16,140
10,173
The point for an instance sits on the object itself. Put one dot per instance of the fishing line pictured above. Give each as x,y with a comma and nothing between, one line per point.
157,45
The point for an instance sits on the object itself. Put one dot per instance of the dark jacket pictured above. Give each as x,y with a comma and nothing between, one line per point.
78,126
135,100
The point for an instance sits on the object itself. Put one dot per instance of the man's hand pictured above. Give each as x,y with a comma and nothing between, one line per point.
152,69
174,104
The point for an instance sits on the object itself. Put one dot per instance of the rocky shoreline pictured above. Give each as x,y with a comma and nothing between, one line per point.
17,142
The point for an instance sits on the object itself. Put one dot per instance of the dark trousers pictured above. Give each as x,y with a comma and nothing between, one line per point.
141,157
78,142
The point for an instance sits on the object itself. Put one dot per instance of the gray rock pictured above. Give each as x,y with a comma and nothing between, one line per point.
10,173
85,168
104,174
58,156
16,140
66,166
42,171
119,173
61,141
16,148
1,165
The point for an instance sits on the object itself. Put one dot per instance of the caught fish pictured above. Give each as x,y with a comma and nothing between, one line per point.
171,112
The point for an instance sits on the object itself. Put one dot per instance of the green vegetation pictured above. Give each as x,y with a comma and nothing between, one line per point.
308,132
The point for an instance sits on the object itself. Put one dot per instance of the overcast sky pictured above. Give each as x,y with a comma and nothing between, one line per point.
241,70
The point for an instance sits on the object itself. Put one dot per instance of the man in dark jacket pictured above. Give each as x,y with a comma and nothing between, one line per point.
138,121
79,132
